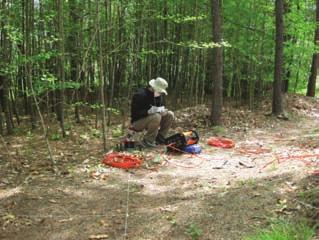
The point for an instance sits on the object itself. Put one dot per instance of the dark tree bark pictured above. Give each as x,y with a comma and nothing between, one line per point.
74,44
22,70
6,105
29,25
1,102
311,88
1,110
277,108
60,64
2,7
4,80
101,74
217,64
120,60
287,37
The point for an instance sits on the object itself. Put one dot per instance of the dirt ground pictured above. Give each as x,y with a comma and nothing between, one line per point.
218,194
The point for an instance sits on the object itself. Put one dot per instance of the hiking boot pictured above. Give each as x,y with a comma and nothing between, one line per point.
147,144
160,140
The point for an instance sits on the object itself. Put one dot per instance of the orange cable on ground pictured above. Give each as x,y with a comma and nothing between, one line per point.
300,156
253,150
296,157
120,160
221,142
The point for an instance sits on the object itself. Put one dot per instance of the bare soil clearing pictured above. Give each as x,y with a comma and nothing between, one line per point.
224,193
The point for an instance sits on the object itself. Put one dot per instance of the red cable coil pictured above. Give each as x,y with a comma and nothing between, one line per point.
120,160
221,142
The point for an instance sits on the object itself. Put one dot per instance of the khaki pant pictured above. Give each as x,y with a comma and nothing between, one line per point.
155,124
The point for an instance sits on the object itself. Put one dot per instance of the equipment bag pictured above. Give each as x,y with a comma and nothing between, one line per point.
179,141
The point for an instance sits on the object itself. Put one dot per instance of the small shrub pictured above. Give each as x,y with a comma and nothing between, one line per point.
117,132
193,231
55,137
96,133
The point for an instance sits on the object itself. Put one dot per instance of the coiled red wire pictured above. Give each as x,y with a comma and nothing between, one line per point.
221,142
120,160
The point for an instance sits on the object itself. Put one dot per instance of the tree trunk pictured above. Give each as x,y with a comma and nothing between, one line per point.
277,108
1,120
217,64
72,46
311,88
6,103
22,69
4,80
29,5
101,75
2,56
287,37
60,64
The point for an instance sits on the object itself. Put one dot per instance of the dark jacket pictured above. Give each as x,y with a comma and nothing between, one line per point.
143,99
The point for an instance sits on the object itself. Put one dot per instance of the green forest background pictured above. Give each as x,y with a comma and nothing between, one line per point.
68,56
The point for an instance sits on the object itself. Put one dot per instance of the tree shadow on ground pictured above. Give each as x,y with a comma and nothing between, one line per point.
73,208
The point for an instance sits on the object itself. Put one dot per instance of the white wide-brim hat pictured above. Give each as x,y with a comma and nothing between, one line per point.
159,85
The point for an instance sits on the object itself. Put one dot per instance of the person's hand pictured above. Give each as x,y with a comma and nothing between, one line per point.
153,110
162,110
163,113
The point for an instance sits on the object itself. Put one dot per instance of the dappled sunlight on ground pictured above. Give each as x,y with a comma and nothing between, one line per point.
9,192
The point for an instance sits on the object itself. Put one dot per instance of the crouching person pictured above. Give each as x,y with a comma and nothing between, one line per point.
149,113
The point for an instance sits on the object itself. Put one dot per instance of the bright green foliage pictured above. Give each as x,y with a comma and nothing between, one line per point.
55,137
96,133
96,106
145,39
113,110
283,230
302,90
249,28
197,45
179,18
48,82
158,31
117,131
193,231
